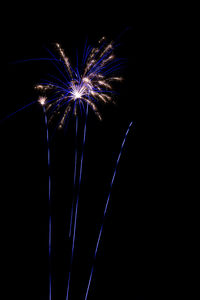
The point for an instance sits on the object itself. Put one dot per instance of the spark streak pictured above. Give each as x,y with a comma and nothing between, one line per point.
42,101
77,201
105,210
87,85
90,84
20,109
75,172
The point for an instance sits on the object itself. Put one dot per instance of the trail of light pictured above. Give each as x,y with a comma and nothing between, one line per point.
92,80
59,70
22,108
12,114
32,59
113,69
105,210
55,85
55,106
50,229
81,108
122,33
58,79
58,123
87,53
75,171
84,52
77,201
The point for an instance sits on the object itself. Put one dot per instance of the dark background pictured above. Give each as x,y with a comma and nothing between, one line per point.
132,252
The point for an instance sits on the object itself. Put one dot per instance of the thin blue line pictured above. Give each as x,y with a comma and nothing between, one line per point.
50,222
75,171
89,283
87,53
107,202
58,79
32,59
12,114
77,201
60,61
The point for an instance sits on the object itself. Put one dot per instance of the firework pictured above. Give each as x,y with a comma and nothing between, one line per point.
75,171
77,200
42,100
89,84
106,207
78,89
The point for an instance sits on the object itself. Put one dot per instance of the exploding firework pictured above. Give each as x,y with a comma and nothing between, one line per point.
78,89
89,84
75,90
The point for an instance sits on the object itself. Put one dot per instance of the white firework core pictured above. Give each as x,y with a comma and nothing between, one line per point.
92,87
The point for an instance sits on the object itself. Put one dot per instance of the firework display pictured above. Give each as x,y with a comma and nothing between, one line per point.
79,88
73,93
90,84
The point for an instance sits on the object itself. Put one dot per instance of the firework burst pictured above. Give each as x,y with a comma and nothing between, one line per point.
78,89
89,84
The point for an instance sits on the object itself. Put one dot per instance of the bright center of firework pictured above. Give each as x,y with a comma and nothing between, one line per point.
77,91
77,94
90,85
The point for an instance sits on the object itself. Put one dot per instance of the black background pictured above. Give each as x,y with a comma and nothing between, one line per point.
132,254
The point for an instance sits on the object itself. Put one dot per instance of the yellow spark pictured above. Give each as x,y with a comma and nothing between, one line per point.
42,100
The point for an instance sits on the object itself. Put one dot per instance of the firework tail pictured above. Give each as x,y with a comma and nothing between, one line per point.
77,200
33,59
20,109
12,114
50,211
75,172
105,210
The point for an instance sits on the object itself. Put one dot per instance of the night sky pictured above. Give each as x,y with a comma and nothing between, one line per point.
129,260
